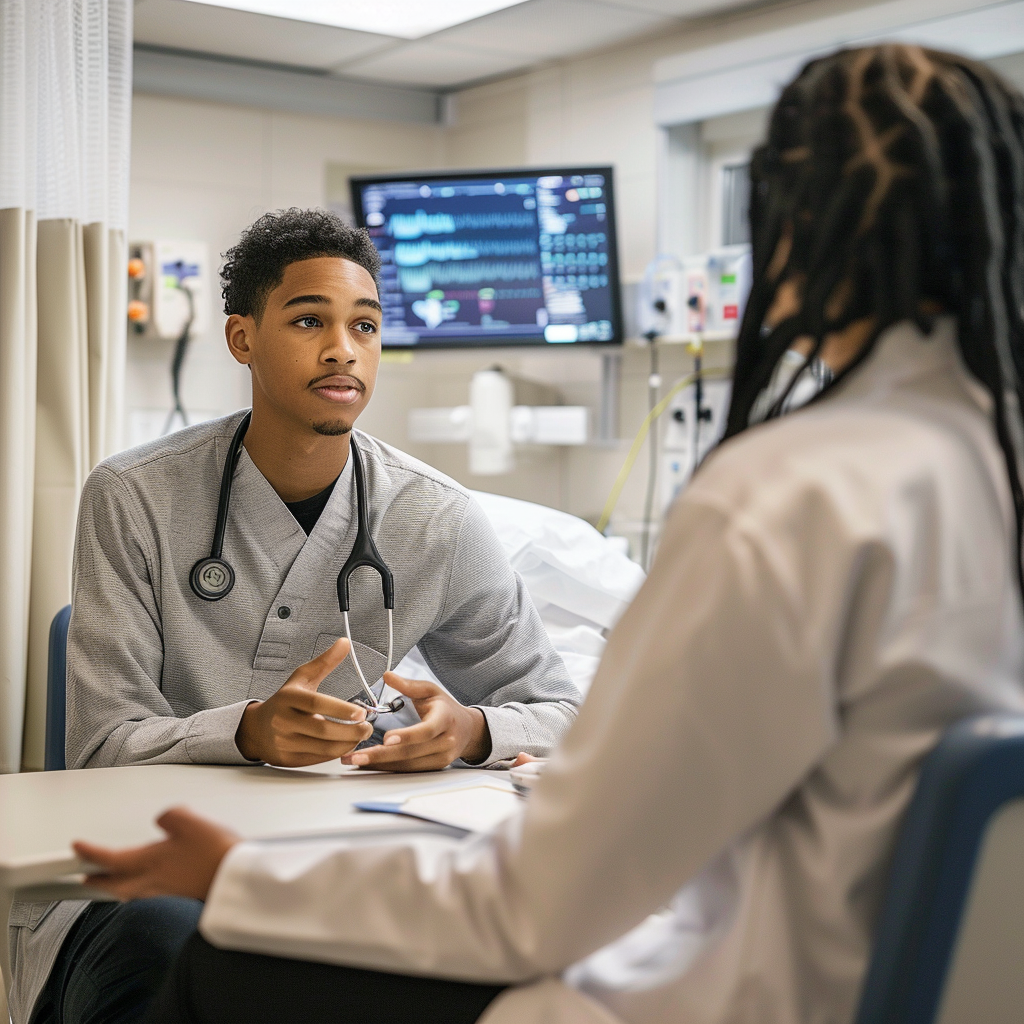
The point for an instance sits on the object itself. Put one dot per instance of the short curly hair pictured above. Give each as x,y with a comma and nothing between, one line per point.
255,266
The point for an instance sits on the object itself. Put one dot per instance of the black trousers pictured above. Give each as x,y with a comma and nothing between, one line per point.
207,985
114,960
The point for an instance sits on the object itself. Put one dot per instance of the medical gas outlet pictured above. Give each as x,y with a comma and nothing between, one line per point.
697,299
493,423
167,289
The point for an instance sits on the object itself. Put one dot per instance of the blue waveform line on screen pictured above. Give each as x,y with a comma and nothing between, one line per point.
415,225
416,254
424,279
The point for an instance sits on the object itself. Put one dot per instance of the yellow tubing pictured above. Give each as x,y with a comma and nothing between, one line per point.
638,442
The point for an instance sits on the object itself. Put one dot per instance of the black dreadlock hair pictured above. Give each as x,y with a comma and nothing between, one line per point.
255,265
891,183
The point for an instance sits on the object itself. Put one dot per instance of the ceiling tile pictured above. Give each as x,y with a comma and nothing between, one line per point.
679,8
207,29
433,63
543,29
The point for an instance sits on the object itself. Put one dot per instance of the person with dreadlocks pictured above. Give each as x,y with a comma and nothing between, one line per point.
840,582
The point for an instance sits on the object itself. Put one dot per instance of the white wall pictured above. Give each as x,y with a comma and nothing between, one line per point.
202,170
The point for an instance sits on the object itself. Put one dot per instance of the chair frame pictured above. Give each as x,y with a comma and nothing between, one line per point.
976,768
56,692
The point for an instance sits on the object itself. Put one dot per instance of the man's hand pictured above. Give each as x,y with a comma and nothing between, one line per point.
447,730
183,864
294,728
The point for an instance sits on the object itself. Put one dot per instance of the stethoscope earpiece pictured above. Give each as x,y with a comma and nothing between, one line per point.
392,707
211,579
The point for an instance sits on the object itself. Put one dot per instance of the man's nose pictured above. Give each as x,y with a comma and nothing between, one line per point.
340,347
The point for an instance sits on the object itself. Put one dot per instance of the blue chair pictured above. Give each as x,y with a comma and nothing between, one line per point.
56,691
950,939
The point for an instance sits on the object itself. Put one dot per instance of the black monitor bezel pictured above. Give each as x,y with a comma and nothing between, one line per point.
356,182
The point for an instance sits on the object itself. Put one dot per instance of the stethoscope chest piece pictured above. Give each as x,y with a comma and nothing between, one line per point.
211,579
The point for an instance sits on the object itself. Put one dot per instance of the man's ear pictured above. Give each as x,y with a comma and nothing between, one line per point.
238,332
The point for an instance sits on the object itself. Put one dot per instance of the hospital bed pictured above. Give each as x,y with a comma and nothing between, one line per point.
579,582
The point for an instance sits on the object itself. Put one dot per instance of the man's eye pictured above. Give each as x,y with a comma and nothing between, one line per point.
367,327
308,321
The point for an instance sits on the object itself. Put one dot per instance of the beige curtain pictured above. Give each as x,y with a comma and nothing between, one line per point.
62,299
80,372
65,94
17,467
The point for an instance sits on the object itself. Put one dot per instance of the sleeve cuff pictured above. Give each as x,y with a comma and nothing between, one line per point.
211,735
227,891
508,737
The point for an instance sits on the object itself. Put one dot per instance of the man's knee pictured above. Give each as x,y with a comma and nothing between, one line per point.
151,930
114,961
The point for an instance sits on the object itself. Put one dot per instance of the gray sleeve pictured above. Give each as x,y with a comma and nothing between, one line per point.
116,712
490,650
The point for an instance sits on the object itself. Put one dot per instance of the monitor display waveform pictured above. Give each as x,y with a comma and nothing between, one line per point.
443,275
416,254
415,225
512,258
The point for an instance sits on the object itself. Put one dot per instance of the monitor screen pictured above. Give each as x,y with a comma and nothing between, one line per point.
522,257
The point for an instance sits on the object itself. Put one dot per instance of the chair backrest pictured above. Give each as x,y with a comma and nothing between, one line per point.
950,939
56,691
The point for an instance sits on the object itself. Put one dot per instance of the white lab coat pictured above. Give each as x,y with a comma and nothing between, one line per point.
832,591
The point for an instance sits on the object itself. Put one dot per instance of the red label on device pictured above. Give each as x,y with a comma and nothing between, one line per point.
730,312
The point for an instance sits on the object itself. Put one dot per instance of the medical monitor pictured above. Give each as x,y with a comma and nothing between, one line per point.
517,257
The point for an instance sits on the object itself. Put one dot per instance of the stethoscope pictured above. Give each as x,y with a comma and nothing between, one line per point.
213,578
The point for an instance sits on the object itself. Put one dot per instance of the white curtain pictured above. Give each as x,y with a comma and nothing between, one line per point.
65,115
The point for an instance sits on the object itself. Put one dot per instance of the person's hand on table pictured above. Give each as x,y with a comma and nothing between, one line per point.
522,759
183,864
293,728
446,731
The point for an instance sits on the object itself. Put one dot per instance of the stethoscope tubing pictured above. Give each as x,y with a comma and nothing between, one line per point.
230,465
212,578
359,668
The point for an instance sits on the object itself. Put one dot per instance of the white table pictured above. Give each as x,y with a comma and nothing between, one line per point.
42,812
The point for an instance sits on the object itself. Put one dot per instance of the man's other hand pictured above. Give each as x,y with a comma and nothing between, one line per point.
446,731
183,864
294,728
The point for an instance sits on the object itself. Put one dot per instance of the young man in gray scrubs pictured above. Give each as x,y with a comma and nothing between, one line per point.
158,675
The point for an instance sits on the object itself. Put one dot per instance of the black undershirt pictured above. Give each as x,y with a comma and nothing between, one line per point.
308,511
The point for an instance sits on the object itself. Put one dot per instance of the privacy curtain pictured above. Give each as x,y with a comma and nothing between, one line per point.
65,109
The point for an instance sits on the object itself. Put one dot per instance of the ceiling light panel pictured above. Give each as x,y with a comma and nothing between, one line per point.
406,19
